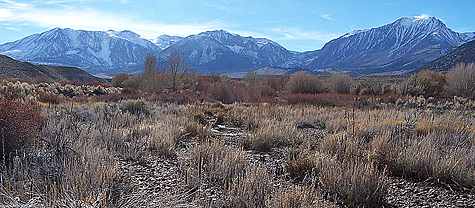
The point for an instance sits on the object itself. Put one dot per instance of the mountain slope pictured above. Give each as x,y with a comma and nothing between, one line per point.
400,47
463,54
94,51
220,51
164,41
16,69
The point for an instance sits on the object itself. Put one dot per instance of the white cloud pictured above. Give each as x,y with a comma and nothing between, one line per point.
5,13
327,16
92,19
299,34
423,16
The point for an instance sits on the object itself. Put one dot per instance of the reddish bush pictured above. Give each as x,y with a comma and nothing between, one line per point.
276,82
48,97
20,124
227,93
332,99
129,90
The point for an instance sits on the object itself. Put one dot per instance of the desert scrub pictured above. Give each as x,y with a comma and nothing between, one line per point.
136,107
354,182
273,133
213,163
251,188
295,197
71,165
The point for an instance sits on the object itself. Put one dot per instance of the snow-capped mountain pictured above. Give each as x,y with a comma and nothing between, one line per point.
398,47
221,51
164,41
94,51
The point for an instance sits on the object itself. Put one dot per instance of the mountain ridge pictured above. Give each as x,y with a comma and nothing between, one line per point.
394,48
390,48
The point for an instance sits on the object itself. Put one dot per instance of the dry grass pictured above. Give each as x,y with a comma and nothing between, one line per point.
296,197
77,162
346,156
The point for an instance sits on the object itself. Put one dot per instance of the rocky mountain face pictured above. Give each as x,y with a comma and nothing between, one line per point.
395,48
463,54
398,47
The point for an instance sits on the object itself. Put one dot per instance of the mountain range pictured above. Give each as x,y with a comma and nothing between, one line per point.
395,48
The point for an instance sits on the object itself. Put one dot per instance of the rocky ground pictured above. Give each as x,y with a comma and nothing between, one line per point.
158,182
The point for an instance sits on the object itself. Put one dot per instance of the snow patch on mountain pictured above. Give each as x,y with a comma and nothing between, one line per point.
165,41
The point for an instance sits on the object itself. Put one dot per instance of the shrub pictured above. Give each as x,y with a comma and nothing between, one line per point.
461,80
357,184
228,93
20,124
296,197
426,83
134,106
251,188
341,83
118,79
221,163
48,97
305,83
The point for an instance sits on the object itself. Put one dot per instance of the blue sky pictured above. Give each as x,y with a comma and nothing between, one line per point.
297,25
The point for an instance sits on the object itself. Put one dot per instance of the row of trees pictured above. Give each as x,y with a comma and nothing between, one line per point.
157,75
175,74
459,81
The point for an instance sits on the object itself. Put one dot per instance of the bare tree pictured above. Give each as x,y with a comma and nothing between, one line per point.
150,65
151,78
177,66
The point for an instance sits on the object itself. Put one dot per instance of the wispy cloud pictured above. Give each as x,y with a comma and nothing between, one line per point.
299,34
12,28
327,16
92,19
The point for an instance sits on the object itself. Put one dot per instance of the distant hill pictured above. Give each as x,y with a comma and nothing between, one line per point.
16,69
463,54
